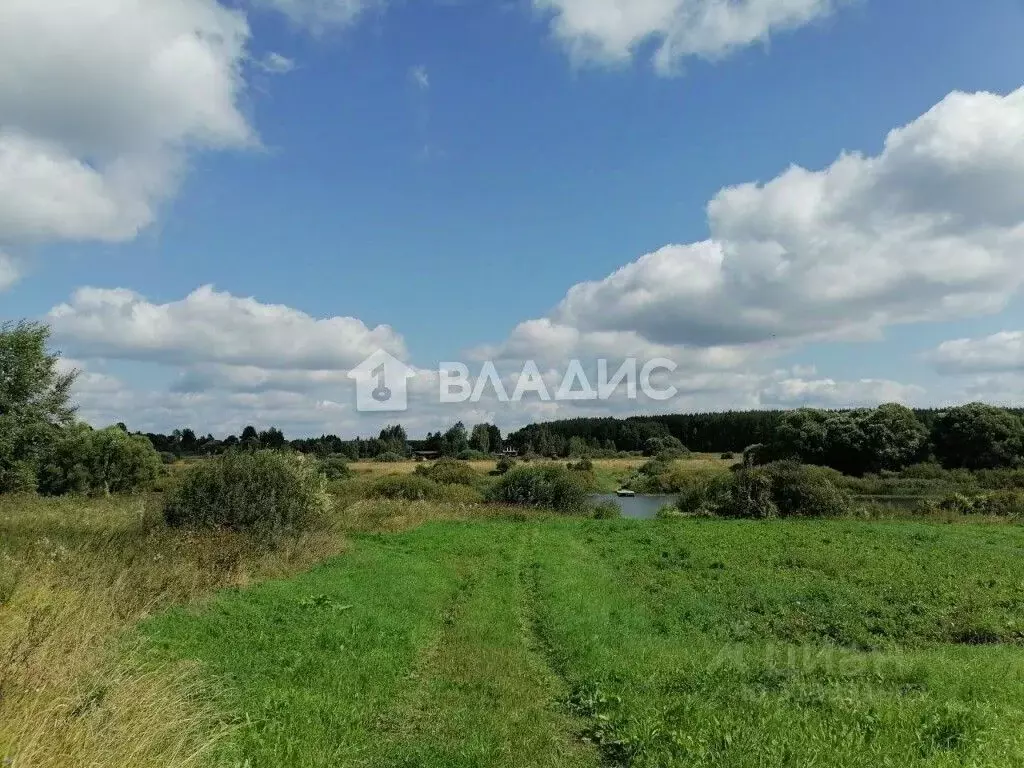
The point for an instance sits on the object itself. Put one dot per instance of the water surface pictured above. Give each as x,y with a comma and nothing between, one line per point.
637,507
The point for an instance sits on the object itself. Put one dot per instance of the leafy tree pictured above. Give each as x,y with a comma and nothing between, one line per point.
480,439
494,438
393,439
188,441
455,440
34,401
894,438
978,436
272,439
250,438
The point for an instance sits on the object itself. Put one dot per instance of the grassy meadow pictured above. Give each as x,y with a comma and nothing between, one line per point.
455,633
565,642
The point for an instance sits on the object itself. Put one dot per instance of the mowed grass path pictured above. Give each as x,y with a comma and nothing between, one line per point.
666,643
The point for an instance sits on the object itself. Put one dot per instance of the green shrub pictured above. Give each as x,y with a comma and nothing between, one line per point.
670,447
168,458
583,465
551,486
1007,503
451,472
505,463
928,470
705,493
1001,504
728,456
389,457
471,455
266,492
750,495
414,487
996,479
81,459
606,510
957,504
780,489
799,490
336,467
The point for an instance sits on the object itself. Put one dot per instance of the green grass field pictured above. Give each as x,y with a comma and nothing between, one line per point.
666,643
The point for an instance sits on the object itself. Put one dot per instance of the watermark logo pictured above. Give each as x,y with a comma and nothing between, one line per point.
457,385
382,383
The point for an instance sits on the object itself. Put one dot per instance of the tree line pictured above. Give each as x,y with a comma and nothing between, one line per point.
855,441
392,442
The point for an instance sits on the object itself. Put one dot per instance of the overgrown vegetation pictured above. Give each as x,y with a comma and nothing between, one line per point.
83,460
550,486
266,492
77,689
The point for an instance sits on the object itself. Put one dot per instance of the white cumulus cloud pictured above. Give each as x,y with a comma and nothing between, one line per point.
610,31
931,228
100,102
209,326
1000,352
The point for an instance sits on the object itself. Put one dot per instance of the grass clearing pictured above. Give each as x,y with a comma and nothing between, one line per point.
76,575
668,643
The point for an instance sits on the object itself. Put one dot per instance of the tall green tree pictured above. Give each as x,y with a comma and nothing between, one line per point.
455,440
34,401
978,436
480,438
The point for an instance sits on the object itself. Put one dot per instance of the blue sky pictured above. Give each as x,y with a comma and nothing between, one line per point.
452,169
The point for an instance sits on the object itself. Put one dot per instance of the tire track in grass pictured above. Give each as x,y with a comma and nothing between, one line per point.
304,666
486,696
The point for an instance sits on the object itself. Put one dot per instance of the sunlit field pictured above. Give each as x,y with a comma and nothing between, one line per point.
567,642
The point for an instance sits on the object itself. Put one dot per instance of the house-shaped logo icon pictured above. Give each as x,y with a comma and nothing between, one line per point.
381,383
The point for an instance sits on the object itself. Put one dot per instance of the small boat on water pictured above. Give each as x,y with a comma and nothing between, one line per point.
625,492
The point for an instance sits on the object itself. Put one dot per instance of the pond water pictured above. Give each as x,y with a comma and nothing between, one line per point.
637,507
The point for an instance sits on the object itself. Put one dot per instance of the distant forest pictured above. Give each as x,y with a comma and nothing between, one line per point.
729,431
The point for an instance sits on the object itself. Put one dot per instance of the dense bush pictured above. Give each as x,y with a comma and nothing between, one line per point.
583,465
551,486
780,489
705,493
996,504
264,491
389,457
668,446
450,472
1001,504
82,460
661,475
472,455
336,467
505,463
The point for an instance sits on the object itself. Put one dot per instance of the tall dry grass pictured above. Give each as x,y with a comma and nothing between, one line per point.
76,686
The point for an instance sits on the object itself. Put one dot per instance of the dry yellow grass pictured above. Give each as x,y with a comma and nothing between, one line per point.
75,576
378,468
